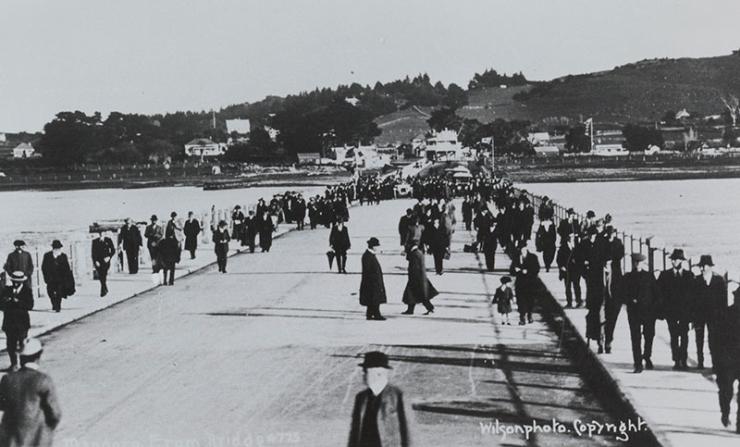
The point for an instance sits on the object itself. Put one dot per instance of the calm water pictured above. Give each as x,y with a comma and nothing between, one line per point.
701,216
41,216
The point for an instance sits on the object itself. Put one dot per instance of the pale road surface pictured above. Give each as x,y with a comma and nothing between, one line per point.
267,355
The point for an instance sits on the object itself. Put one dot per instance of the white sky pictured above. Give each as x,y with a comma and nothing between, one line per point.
150,56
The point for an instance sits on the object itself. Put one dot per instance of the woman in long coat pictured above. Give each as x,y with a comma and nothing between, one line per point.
372,287
418,288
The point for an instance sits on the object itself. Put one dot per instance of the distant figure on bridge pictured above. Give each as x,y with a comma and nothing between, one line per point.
525,267
418,288
467,212
237,219
641,296
29,402
710,300
19,260
250,230
169,256
266,228
340,243
726,359
15,302
675,285
153,234
545,242
612,283
60,282
102,253
191,229
379,417
438,240
570,261
129,238
403,225
372,287
221,240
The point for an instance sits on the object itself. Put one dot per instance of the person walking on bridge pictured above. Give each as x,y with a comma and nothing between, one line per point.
57,275
129,238
102,253
221,240
19,260
153,234
372,287
710,300
641,296
418,288
726,359
675,285
570,261
339,242
191,229
16,300
525,267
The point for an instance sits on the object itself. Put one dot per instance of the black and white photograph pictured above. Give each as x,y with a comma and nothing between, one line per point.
369,223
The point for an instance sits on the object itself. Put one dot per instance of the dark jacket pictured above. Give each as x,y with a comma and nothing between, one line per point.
19,261
30,409
709,301
221,240
503,299
675,293
640,294
437,239
130,238
568,259
169,252
525,271
58,274
372,287
191,230
545,238
101,249
418,287
727,347
566,228
393,426
339,239
15,304
403,228
153,234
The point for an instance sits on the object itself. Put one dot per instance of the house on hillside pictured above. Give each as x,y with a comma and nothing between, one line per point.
25,150
539,138
443,145
677,138
609,142
204,147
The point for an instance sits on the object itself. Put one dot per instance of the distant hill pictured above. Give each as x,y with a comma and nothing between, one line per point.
641,91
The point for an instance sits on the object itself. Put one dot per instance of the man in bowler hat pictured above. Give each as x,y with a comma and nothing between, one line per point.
372,288
57,275
710,300
641,297
675,289
379,414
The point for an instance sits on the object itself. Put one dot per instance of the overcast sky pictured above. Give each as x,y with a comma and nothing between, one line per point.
151,56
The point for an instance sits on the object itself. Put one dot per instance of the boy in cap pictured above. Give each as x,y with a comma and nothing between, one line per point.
29,402
675,288
379,413
503,298
641,297
372,287
17,300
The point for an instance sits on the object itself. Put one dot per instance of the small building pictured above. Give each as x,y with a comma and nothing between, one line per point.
443,145
204,147
546,151
24,150
306,158
609,142
539,138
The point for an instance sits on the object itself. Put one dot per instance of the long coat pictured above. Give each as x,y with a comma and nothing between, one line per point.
418,287
130,238
191,230
372,287
221,240
675,292
393,425
15,305
58,274
339,239
640,293
20,261
30,409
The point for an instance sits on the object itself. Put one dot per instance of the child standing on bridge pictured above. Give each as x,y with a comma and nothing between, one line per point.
503,297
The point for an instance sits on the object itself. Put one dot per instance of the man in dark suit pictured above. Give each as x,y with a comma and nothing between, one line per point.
221,240
403,225
129,237
726,358
57,275
251,228
569,226
19,260
153,234
467,212
379,414
299,211
525,267
16,301
418,287
612,281
372,287
641,296
340,243
570,262
710,300
29,402
191,229
102,253
675,285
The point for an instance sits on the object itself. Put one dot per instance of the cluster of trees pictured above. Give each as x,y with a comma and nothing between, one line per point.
491,78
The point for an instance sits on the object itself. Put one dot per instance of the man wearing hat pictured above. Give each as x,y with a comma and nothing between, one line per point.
129,237
102,253
675,285
29,403
153,234
16,301
641,296
570,260
57,275
726,359
525,267
19,260
612,280
191,229
379,415
237,219
372,287
418,288
569,226
710,300
221,240
339,242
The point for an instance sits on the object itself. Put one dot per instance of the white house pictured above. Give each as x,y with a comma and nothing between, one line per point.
546,151
443,145
539,138
204,147
24,150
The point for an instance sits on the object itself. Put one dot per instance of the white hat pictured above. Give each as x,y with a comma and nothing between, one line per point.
31,347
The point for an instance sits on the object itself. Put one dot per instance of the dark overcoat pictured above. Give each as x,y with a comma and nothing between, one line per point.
372,287
15,305
418,287
393,425
30,409
191,230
